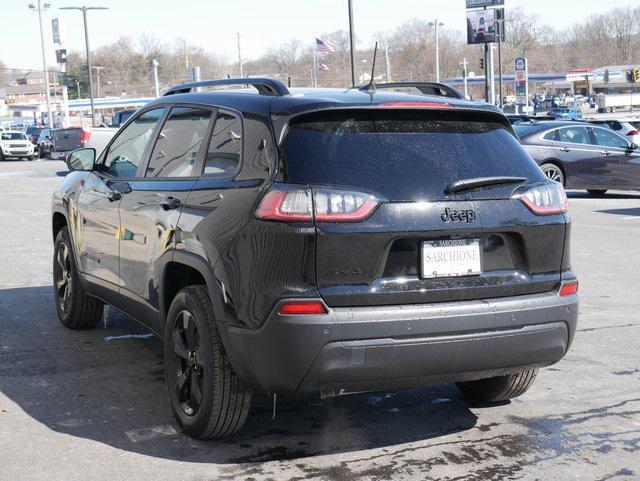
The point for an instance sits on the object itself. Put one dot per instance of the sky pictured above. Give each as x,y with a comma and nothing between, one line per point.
212,24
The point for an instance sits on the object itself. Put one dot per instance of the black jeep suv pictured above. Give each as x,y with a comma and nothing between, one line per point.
318,240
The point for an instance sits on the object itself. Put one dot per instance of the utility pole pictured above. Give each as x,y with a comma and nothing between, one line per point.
386,57
239,55
44,60
351,44
464,64
435,24
492,78
78,87
499,30
98,69
84,10
156,87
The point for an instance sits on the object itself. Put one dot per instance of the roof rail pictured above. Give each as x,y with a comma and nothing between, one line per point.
264,85
426,88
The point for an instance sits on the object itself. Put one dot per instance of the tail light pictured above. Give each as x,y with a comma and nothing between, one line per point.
323,205
544,199
568,288
302,307
633,132
84,136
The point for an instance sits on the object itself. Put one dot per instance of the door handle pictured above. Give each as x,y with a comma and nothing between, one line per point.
170,202
114,195
605,152
564,149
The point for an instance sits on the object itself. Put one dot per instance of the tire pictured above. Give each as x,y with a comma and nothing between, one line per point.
553,172
501,388
76,309
596,191
207,398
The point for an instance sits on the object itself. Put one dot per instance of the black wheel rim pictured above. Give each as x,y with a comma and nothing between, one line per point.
63,278
553,173
187,362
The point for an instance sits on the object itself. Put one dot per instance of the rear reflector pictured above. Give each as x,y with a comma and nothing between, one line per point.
329,205
568,288
423,105
302,307
546,199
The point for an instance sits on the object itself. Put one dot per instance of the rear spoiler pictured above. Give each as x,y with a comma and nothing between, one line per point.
488,111
425,88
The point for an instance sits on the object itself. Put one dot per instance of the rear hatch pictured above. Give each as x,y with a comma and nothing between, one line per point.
427,240
72,138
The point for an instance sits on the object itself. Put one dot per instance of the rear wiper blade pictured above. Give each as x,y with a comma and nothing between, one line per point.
476,182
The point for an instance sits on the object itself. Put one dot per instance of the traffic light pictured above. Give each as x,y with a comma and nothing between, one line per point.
635,71
629,76
605,77
481,63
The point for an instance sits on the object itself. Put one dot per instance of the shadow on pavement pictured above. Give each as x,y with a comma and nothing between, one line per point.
112,391
632,211
581,194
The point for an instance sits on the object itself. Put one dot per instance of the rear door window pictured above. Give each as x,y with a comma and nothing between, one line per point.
225,148
401,154
574,135
176,151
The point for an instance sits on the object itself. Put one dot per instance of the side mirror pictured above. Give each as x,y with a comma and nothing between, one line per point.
82,159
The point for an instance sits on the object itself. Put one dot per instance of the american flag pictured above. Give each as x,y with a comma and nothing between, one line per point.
324,67
324,46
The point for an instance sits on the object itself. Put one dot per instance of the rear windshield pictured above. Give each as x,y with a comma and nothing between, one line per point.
402,155
526,129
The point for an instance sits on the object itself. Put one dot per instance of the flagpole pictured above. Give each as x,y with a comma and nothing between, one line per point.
315,67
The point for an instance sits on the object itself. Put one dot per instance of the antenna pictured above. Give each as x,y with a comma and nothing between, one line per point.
372,85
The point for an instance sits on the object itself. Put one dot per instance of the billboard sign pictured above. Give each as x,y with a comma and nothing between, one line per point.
522,80
484,3
481,26
55,28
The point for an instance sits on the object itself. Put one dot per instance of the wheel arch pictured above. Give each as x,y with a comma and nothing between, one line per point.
178,269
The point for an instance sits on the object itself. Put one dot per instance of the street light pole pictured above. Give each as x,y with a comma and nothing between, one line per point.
351,44
44,60
435,24
84,10
98,69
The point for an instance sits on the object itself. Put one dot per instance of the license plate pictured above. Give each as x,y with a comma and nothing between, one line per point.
451,258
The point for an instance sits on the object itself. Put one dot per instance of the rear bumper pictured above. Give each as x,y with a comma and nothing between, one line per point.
373,348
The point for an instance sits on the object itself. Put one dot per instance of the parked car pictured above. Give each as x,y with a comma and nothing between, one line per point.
67,140
44,143
15,144
119,118
318,240
33,132
582,156
566,113
627,127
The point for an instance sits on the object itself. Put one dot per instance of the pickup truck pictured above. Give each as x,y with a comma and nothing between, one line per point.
72,138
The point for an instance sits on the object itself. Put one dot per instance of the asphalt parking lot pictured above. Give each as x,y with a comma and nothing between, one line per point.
92,404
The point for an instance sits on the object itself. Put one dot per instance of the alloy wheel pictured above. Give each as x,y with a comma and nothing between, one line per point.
187,362
554,173
63,277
